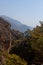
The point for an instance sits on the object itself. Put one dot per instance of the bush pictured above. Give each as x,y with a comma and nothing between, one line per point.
12,59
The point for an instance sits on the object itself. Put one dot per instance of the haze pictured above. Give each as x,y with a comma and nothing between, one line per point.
29,12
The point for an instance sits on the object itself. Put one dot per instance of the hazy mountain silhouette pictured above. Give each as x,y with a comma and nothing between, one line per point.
16,24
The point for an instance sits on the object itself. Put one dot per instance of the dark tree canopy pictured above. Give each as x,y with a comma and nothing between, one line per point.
16,46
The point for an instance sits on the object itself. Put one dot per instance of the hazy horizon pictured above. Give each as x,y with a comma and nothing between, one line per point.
28,12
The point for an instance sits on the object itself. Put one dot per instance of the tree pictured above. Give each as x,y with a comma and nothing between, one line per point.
37,41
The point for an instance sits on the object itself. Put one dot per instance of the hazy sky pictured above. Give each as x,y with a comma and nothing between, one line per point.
29,12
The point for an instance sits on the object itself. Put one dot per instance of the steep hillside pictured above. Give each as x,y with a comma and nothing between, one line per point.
16,24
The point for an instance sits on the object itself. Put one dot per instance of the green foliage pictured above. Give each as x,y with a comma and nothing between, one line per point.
27,46
12,59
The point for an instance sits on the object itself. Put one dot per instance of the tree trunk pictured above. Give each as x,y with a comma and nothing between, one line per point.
10,43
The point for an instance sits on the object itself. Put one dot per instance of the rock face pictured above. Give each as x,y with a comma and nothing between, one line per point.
16,24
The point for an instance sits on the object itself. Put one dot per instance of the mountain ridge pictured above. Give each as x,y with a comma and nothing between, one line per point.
17,25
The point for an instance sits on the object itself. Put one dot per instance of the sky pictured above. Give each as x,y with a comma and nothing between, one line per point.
28,12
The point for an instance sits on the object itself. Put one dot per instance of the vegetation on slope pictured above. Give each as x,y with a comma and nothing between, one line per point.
18,48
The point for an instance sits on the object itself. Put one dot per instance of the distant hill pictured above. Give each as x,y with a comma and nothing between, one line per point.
16,24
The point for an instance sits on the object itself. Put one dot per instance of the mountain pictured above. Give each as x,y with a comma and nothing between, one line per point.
16,24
